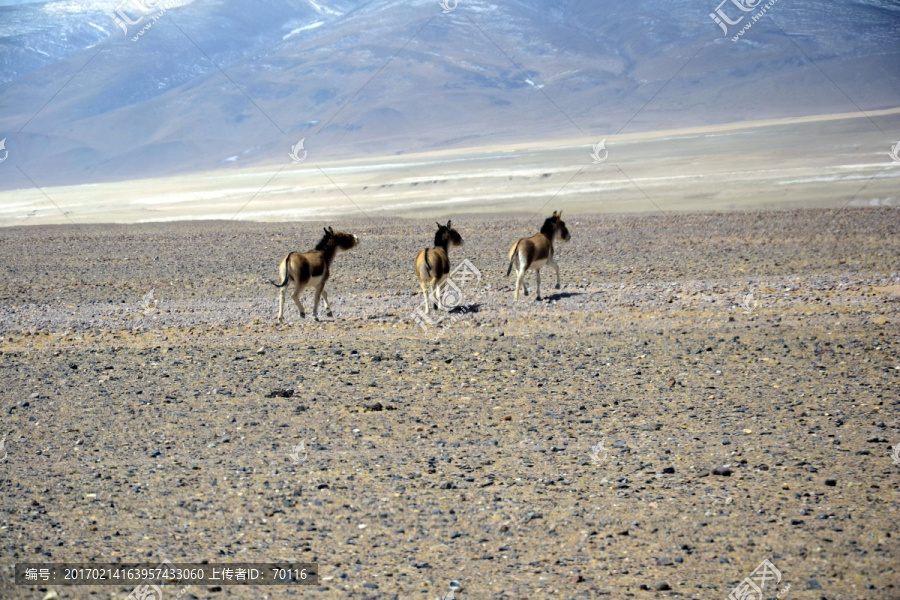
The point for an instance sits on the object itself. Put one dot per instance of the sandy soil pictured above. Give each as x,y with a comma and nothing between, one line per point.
761,345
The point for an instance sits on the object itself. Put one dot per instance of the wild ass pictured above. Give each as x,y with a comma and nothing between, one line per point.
313,267
433,264
537,251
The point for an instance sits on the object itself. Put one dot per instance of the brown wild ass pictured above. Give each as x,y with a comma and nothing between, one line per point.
433,264
312,268
537,251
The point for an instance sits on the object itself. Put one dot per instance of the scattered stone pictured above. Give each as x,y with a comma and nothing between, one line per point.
723,471
661,586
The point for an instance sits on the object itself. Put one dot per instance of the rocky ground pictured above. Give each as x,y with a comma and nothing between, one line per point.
706,391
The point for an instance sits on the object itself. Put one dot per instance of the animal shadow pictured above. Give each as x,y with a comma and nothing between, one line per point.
562,295
465,309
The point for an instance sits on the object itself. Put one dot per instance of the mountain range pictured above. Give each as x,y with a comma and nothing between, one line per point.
105,91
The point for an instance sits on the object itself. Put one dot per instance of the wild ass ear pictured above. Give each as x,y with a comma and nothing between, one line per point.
438,224
325,229
559,215
331,230
554,214
448,224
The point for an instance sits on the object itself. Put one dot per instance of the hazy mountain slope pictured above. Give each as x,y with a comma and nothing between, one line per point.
483,73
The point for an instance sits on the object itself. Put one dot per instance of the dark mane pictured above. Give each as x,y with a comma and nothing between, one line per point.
548,226
439,238
324,242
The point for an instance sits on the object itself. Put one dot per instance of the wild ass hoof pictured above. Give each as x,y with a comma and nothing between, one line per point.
557,286
329,313
538,299
303,315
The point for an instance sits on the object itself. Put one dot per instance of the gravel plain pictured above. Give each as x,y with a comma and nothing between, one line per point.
705,391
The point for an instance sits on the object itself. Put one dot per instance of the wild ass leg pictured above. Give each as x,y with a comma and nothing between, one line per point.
524,267
296,297
518,285
281,304
537,273
426,289
438,295
555,266
316,295
425,294
327,306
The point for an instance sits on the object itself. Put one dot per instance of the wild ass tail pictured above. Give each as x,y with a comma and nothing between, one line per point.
512,258
427,264
283,271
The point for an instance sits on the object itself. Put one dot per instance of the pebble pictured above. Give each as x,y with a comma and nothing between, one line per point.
723,471
661,586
